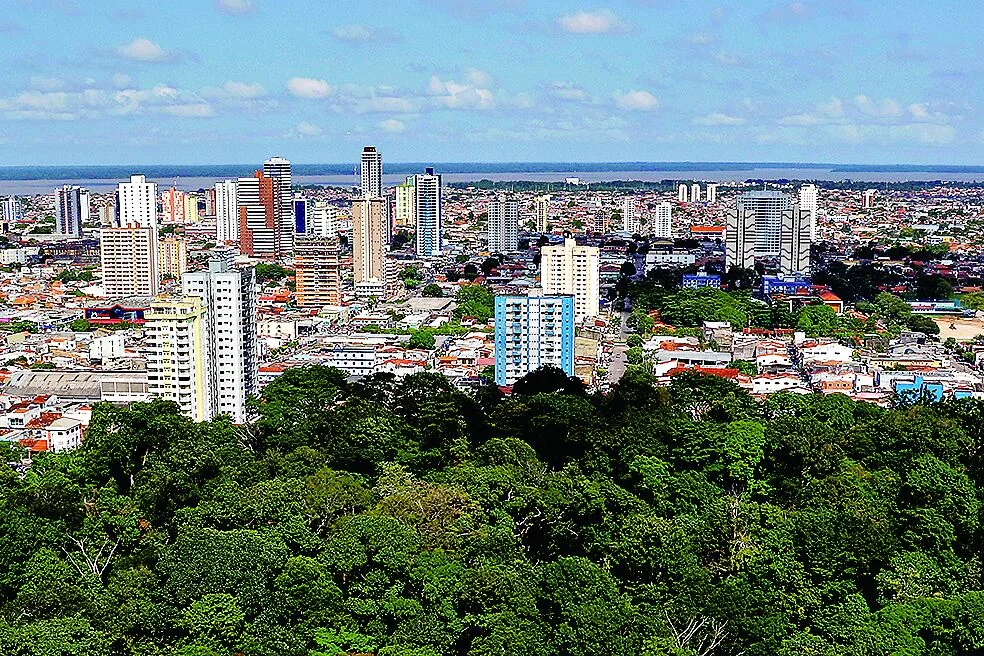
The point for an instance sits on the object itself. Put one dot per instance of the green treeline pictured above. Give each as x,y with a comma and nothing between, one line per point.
406,518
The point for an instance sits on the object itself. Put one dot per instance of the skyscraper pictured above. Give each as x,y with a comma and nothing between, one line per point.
172,257
712,193
71,210
317,272
258,199
794,255
302,214
766,208
630,216
695,193
405,203
324,220
172,206
571,269
662,223
542,209
868,199
279,169
808,200
682,193
226,212
531,332
428,211
129,261
230,297
372,172
503,224
369,243
137,202
10,211
178,360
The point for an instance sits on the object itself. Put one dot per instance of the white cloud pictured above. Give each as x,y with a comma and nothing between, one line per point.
717,118
801,119
306,129
306,87
164,91
636,100
121,81
887,108
833,108
143,50
393,125
601,21
235,6
189,110
569,91
353,32
244,89
458,95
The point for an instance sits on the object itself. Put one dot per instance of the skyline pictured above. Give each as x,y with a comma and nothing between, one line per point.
191,82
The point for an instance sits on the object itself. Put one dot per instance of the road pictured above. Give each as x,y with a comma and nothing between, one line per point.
617,368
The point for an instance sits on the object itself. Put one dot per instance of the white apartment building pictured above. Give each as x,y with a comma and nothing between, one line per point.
630,216
809,202
503,224
372,172
129,261
323,221
662,221
138,202
71,210
531,332
571,269
542,209
226,212
428,211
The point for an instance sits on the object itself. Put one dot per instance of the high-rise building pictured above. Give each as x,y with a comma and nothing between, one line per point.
631,219
794,250
279,169
178,360
210,202
571,269
427,210
542,210
172,257
172,206
712,193
695,193
766,209
191,213
302,214
531,332
808,200
868,199
682,193
258,199
129,261
601,222
137,202
404,204
369,243
226,212
662,222
231,337
503,224
372,172
324,220
71,210
317,271
10,210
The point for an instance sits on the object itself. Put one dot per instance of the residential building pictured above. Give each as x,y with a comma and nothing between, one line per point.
571,269
369,243
532,332
10,210
372,172
868,199
794,255
503,224
258,200
542,208
630,216
695,193
172,257
173,206
178,361
137,202
302,214
427,211
661,225
279,169
231,338
766,208
71,210
808,202
317,271
682,193
712,193
405,197
226,212
324,220
129,261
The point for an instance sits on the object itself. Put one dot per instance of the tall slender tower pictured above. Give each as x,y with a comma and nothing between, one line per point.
427,209
71,210
662,226
630,215
178,360
129,261
279,169
571,269
226,212
138,202
318,271
794,249
369,239
542,208
372,172
809,203
503,224
258,200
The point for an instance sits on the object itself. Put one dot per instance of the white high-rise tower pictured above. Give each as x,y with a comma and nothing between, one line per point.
372,172
226,212
427,211
138,202
662,222
571,269
808,202
71,210
503,225
630,215
542,204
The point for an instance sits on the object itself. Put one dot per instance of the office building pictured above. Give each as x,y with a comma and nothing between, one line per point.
324,220
712,193
279,169
503,224
178,361
662,221
372,172
808,201
765,208
129,261
137,202
571,269
542,211
796,239
369,245
868,199
302,214
532,332
71,210
682,193
631,219
404,214
172,257
231,340
318,273
695,193
258,200
428,212
226,212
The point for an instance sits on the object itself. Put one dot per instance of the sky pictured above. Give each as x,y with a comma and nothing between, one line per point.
235,81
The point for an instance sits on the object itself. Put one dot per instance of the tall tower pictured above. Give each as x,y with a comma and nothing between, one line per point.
231,340
542,208
369,239
794,256
662,225
712,193
178,361
226,212
317,272
808,201
71,210
324,220
258,200
630,215
739,238
372,172
405,204
138,202
531,332
766,208
129,261
571,269
279,169
695,193
682,193
868,199
503,224
427,208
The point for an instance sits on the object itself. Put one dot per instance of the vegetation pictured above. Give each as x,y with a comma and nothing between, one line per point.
72,275
406,518
432,290
475,301
411,276
271,273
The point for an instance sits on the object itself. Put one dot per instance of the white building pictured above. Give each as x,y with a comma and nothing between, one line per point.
682,193
571,269
10,211
712,193
503,224
808,202
542,209
795,242
662,221
531,332
226,212
695,193
428,212
354,360
630,216
107,347
178,361
279,169
129,261
671,258
372,172
138,202
868,199
71,210
323,221
232,343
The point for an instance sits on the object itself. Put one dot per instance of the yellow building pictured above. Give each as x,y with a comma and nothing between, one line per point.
172,257
178,360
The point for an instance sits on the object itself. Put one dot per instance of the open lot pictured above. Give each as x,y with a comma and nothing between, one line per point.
959,328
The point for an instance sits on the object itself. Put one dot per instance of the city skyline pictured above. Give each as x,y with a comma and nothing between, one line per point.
622,81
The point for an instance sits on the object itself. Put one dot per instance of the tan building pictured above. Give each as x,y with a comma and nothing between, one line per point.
317,272
571,269
129,261
369,243
172,257
178,360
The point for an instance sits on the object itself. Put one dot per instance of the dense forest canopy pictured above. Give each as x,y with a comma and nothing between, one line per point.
406,518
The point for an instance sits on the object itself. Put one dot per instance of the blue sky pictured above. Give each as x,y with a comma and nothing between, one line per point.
220,81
